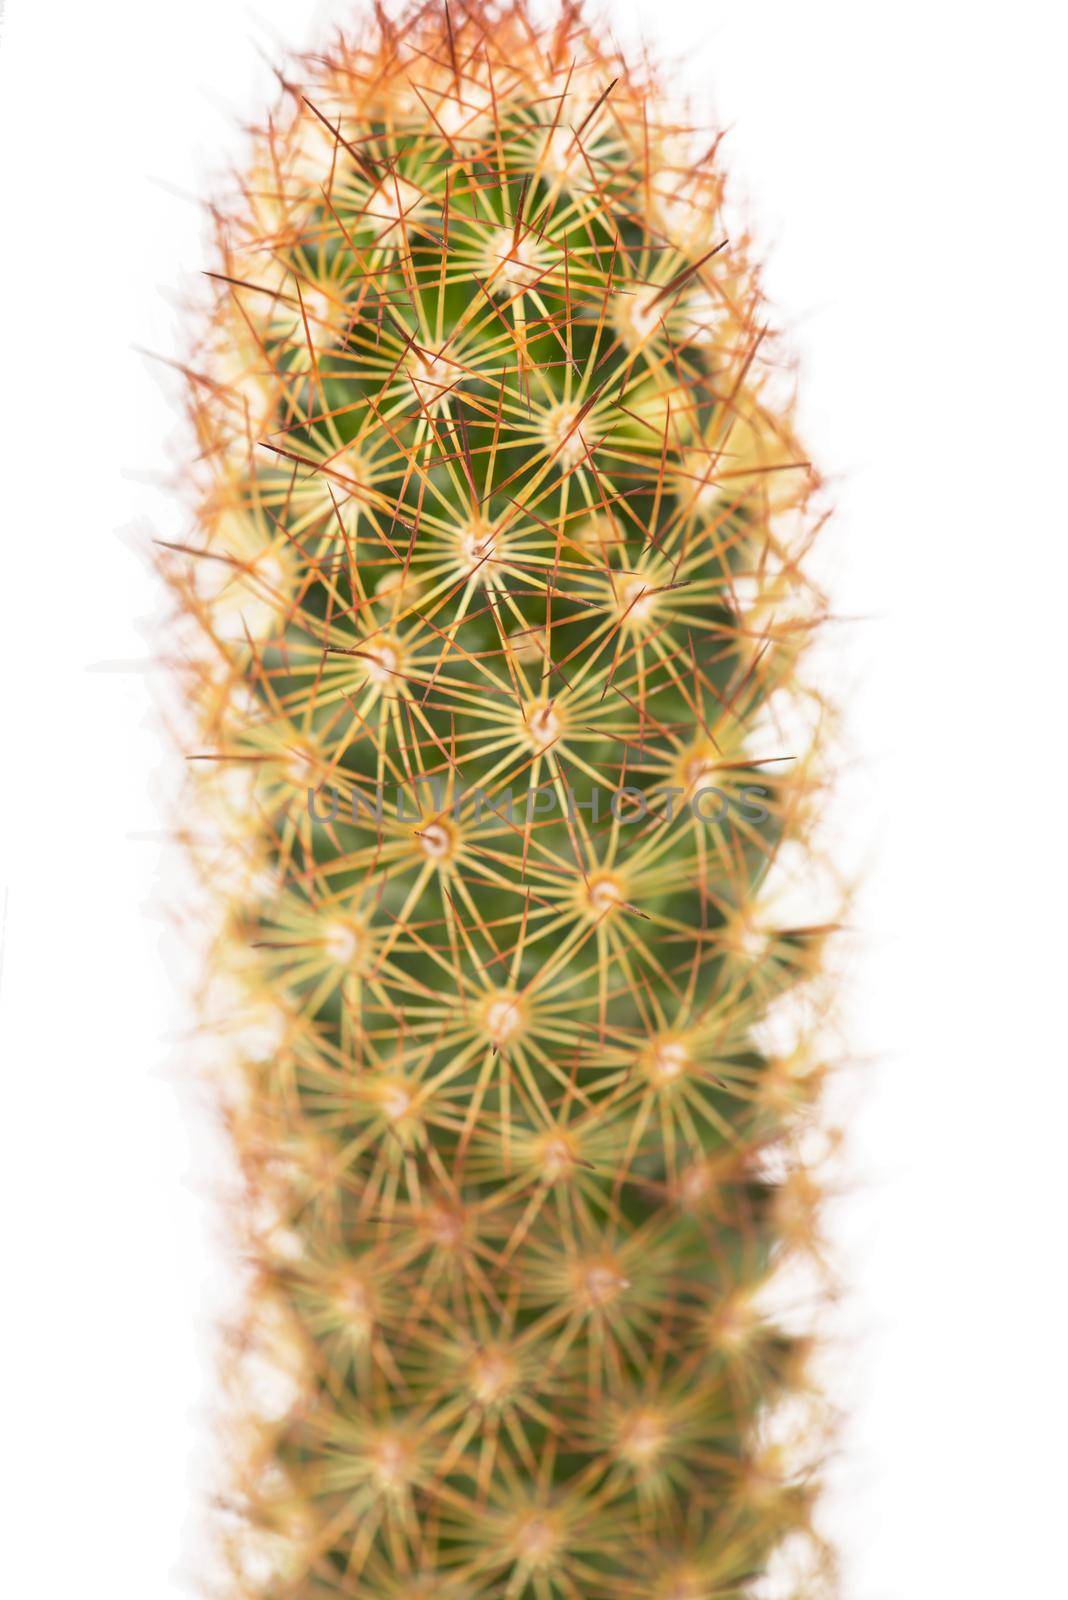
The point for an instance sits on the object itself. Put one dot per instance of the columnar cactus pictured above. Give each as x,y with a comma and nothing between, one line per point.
493,618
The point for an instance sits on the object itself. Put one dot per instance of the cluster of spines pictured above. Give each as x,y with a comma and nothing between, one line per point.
499,499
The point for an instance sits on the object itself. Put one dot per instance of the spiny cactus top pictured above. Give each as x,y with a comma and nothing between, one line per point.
494,613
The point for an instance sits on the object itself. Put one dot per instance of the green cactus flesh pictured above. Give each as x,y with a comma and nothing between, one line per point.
494,606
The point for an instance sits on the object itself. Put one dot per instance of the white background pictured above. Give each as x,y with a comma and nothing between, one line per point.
903,165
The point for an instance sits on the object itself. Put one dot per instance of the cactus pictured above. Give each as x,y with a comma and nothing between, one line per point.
492,625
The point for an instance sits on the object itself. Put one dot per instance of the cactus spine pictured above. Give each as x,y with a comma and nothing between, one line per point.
493,614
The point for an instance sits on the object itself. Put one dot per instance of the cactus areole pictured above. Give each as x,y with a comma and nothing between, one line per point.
491,623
